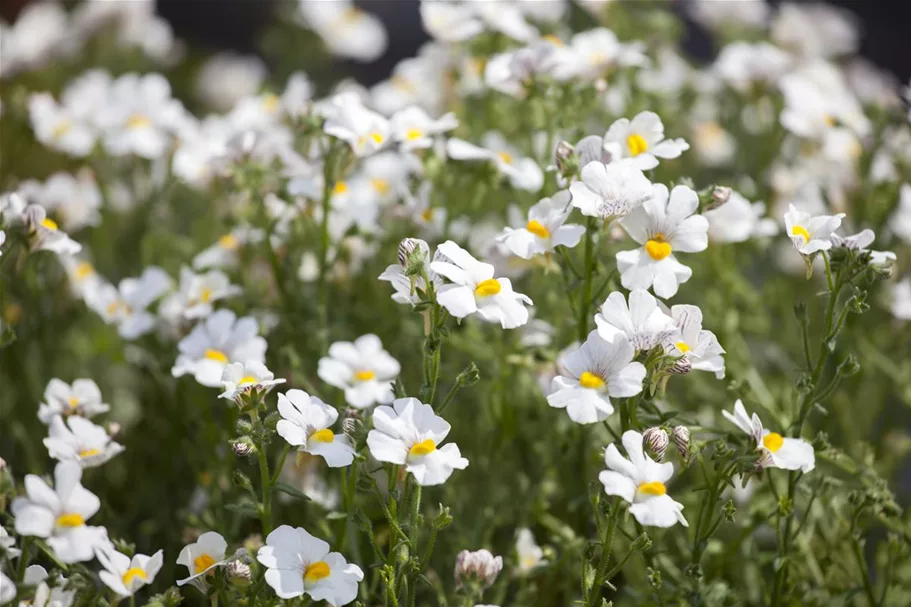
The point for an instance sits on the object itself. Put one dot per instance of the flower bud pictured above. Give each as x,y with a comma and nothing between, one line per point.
479,567
565,157
681,366
720,195
656,442
413,252
682,441
243,446
238,573
642,543
2,464
114,429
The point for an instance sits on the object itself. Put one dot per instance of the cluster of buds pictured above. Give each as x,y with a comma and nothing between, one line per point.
479,567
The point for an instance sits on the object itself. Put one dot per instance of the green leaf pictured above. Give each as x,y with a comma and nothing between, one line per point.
283,487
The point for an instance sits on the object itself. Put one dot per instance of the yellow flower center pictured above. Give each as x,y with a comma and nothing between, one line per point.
49,223
216,355
84,270
340,188
505,157
427,215
202,562
636,144
270,103
653,488
657,248
377,138
138,121
590,380
228,242
537,229
553,40
364,375
423,448
323,436
380,185
413,134
70,520
403,84
316,571
487,288
829,120
205,295
73,402
61,129
133,573
802,232
772,441
682,347
247,379
89,452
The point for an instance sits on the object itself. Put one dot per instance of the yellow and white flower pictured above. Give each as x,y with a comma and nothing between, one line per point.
126,305
59,514
663,225
475,290
306,422
594,53
642,322
363,369
545,229
641,481
225,251
592,374
216,342
125,575
698,346
409,434
82,398
74,200
81,441
202,557
642,141
737,220
406,286
59,127
196,295
298,563
346,30
523,173
241,378
46,235
449,21
777,451
808,233
413,129
55,595
530,554
364,130
610,190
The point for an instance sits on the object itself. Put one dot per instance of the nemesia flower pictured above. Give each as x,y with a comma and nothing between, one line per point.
126,305
480,567
197,293
545,229
59,514
82,398
641,482
7,589
811,234
364,130
642,141
664,224
595,52
74,200
593,373
346,30
414,129
363,369
201,557
642,322
216,342
8,544
225,251
125,575
226,78
523,173
81,441
860,242
305,424
475,290
59,127
450,22
405,286
45,234
610,190
900,304
777,451
815,30
743,64
737,220
45,595
298,563
698,346
409,433
530,554
241,378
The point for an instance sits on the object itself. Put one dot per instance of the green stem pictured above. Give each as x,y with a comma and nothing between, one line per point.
322,290
281,463
586,302
606,541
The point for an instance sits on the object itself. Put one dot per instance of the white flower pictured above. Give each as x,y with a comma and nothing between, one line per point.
226,249
663,225
419,81
777,451
545,229
407,287
726,14
643,322
592,374
900,305
39,33
477,567
126,305
81,441
530,554
197,293
860,242
537,333
201,557
596,51
364,130
242,378
363,369
346,30
641,482
226,78
59,514
476,290
409,433
125,575
45,234
811,234
815,30
214,343
299,563
83,398
450,22
7,589
523,173
642,141
900,222
2,240
305,423
610,191
818,100
698,346
737,220
742,64
45,595
414,129
8,544
74,200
